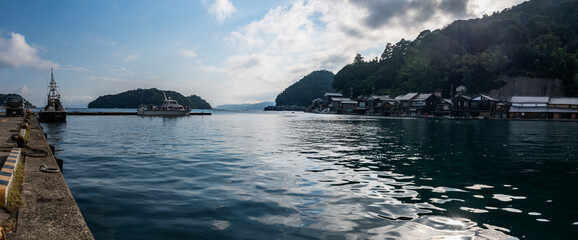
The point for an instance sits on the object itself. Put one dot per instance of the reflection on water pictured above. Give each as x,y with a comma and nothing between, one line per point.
305,176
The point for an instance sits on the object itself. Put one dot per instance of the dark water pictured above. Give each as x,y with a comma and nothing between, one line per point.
261,175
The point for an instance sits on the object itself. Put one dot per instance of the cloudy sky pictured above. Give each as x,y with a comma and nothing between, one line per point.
226,51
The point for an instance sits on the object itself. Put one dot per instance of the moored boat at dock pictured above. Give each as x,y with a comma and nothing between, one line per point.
53,111
170,107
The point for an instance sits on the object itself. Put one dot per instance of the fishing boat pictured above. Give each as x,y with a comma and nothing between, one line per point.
53,111
170,107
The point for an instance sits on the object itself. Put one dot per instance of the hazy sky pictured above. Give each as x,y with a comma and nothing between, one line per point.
225,51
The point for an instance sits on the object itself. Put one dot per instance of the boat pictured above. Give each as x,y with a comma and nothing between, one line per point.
53,111
170,107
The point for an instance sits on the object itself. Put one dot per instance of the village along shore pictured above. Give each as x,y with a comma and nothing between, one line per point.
461,105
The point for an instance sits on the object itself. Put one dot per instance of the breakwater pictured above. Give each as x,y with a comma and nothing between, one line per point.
120,113
48,209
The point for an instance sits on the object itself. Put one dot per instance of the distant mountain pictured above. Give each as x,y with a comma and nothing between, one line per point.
4,96
134,98
307,89
247,106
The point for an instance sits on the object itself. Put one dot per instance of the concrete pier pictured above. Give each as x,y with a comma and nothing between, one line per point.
123,113
48,209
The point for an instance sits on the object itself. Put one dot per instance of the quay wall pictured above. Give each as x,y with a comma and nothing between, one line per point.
48,209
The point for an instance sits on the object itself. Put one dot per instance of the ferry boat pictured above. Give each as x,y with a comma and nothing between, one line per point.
170,107
53,111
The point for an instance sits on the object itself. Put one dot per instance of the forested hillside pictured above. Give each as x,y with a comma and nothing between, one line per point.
305,90
534,39
133,98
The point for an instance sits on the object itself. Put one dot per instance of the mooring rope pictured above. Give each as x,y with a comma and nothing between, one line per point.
46,169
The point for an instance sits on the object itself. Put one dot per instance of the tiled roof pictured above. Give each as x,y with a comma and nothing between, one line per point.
422,96
340,99
349,101
406,97
568,101
529,99
333,94
479,97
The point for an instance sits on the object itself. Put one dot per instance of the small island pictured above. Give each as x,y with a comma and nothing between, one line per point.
134,98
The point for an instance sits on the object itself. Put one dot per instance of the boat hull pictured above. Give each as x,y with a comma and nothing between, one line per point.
48,116
168,113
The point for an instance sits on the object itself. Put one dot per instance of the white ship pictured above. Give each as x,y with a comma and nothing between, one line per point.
170,107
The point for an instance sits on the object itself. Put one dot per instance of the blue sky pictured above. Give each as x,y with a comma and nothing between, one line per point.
226,51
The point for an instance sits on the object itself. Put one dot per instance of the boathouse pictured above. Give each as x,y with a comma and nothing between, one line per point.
461,106
443,107
563,108
482,106
404,101
529,107
421,104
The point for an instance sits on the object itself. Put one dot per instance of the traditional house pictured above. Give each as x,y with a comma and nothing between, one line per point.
421,104
563,108
347,106
443,107
316,105
361,105
404,101
390,107
482,106
375,104
461,90
529,107
336,104
500,110
461,106
328,99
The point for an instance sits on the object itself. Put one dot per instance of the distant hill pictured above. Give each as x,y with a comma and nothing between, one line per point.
246,106
134,98
4,96
537,39
307,89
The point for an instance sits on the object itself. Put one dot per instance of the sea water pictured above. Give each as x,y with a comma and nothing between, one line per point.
290,175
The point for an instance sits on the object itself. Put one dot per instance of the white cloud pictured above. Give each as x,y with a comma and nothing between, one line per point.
221,9
131,58
74,68
481,7
25,90
187,53
76,99
16,53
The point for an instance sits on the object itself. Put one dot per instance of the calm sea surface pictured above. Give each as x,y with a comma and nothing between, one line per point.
283,175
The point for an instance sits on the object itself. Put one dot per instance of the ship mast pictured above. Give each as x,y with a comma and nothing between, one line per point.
53,95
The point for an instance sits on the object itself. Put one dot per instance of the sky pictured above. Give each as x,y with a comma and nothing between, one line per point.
225,51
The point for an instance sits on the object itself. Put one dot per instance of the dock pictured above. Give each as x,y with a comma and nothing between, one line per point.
121,113
48,209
